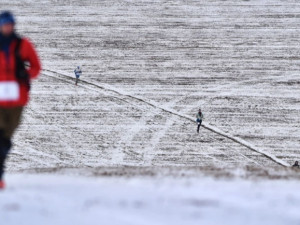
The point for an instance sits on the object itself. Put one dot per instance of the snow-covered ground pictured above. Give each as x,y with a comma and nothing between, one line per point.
237,60
148,66
64,200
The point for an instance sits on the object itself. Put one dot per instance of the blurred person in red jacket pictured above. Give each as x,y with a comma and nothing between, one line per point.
15,78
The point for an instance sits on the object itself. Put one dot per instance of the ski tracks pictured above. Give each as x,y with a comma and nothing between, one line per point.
156,138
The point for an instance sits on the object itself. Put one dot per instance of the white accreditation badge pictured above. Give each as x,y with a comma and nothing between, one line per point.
9,91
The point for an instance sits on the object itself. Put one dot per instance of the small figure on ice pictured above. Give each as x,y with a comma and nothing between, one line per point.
78,73
296,165
199,120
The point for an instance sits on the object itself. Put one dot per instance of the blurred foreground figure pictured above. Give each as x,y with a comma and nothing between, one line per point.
78,73
14,82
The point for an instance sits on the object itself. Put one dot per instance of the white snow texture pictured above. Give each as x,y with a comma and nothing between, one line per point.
122,147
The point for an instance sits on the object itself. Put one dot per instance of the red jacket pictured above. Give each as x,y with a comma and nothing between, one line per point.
8,73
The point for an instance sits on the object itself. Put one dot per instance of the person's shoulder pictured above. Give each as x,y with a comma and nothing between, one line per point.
26,42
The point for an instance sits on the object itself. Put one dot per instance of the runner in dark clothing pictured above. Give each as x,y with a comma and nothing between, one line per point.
199,120
296,165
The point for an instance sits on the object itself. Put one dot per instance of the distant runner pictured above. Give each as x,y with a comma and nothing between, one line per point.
296,165
199,120
78,73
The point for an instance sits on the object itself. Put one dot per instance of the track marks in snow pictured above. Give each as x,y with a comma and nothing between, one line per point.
173,112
